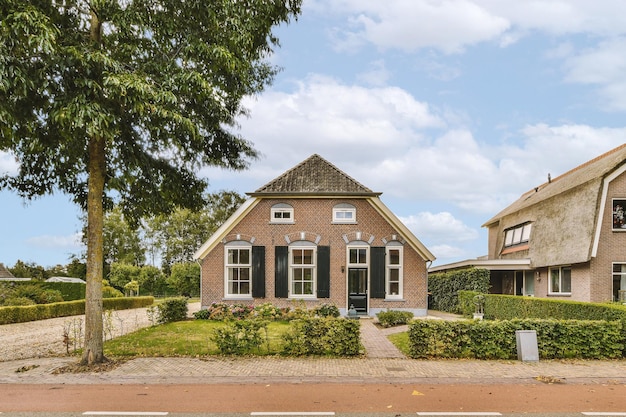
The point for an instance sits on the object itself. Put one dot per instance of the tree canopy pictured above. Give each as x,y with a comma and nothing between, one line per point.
125,100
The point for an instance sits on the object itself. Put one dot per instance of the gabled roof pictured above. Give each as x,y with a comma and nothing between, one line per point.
4,273
595,169
314,176
565,212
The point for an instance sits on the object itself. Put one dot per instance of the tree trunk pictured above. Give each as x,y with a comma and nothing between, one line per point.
94,345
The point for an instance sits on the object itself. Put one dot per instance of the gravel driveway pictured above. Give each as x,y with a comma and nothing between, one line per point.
48,337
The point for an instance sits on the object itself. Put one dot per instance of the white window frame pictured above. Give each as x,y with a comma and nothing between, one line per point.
559,270
517,235
293,267
389,268
344,213
281,213
232,267
619,274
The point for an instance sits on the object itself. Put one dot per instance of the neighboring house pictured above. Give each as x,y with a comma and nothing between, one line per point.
6,275
315,234
565,238
66,279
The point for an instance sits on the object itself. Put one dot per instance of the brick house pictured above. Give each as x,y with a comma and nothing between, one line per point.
315,234
565,238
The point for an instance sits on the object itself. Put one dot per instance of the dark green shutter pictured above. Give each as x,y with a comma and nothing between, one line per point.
258,271
281,277
323,271
377,270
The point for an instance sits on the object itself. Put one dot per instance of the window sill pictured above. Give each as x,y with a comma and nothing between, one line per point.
336,222
559,294
291,222
238,298
394,299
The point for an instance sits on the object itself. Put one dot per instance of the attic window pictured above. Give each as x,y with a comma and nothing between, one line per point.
281,213
344,213
619,214
517,235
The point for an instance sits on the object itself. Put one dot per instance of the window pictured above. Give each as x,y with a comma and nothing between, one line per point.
560,280
344,213
393,272
302,272
619,221
619,282
281,213
238,265
517,235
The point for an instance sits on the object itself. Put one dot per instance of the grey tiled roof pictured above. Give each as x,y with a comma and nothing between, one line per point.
314,176
4,273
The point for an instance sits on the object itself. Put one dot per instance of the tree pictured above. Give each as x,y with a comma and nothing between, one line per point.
185,279
124,100
183,231
121,242
23,269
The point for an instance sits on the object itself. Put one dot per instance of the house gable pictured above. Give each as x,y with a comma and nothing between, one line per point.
563,212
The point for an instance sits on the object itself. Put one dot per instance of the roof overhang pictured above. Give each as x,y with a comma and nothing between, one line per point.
490,264
313,194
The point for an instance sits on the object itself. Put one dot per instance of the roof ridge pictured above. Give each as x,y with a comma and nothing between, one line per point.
314,175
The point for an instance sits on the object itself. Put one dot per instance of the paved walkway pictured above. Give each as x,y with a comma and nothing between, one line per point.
383,364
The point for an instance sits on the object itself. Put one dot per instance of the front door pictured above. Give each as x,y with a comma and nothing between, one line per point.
357,289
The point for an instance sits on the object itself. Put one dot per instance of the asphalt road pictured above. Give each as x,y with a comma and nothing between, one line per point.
360,399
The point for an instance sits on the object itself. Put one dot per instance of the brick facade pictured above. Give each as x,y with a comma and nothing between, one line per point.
313,223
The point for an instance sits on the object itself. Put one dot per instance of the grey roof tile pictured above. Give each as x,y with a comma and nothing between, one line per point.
314,176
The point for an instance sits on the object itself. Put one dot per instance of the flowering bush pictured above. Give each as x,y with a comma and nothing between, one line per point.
268,311
223,311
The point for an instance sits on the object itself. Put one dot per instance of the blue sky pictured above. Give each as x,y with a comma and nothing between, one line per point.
451,108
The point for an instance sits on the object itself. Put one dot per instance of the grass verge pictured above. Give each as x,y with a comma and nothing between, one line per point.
186,339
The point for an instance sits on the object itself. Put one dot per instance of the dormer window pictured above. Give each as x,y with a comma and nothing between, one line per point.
281,213
517,235
344,213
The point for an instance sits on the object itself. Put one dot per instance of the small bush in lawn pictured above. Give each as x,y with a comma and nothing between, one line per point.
172,309
239,337
326,310
392,318
203,314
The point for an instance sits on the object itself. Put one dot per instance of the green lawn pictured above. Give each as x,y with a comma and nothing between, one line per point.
401,341
187,338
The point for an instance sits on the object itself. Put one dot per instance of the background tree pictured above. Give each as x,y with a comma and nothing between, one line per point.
152,281
121,241
23,269
180,233
125,100
185,279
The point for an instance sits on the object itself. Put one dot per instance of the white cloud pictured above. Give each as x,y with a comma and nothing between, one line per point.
8,164
439,227
448,25
453,25
447,252
376,76
57,242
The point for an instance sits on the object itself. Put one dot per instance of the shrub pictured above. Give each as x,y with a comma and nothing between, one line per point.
326,310
70,291
172,309
323,336
443,287
239,337
392,318
19,301
483,339
268,311
202,314
48,296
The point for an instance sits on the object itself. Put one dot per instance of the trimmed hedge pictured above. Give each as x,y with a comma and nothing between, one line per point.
482,339
443,287
69,290
323,336
20,314
507,307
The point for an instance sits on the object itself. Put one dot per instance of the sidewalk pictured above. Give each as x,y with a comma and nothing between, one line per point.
384,364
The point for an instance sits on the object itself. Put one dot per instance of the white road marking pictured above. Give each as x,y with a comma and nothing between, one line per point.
448,413
283,413
605,413
125,413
